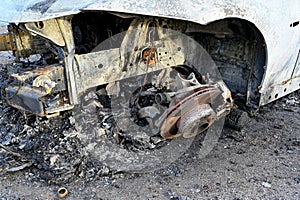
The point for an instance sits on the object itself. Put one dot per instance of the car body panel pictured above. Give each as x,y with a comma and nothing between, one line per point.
276,20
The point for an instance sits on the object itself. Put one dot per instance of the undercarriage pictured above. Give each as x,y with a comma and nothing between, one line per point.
78,56
145,80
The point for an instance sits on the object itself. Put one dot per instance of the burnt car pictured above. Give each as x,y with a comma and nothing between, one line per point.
254,46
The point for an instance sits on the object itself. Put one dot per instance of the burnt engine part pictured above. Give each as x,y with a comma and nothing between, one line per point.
41,91
23,43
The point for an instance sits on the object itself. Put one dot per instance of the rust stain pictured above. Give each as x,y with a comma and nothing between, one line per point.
150,56
7,42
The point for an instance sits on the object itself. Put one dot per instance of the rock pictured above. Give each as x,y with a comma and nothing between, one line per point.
290,150
276,136
53,159
278,126
180,198
292,102
266,184
297,179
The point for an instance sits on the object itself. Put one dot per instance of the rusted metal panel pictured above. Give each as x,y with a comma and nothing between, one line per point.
106,69
7,42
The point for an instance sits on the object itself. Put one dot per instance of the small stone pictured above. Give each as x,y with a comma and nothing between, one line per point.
117,176
292,102
278,126
290,150
179,198
266,184
104,170
241,151
53,159
90,147
101,132
276,136
197,190
72,120
156,140
297,179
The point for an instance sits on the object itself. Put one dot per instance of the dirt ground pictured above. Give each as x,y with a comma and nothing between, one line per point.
262,161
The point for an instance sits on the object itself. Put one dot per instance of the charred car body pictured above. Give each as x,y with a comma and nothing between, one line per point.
255,45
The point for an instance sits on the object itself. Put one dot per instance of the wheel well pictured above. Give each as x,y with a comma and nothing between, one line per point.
236,45
239,50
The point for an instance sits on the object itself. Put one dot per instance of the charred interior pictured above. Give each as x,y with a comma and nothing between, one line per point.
92,28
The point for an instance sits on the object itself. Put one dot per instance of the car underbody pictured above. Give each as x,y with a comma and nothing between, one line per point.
99,49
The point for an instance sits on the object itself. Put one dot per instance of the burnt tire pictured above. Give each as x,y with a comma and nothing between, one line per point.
236,119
